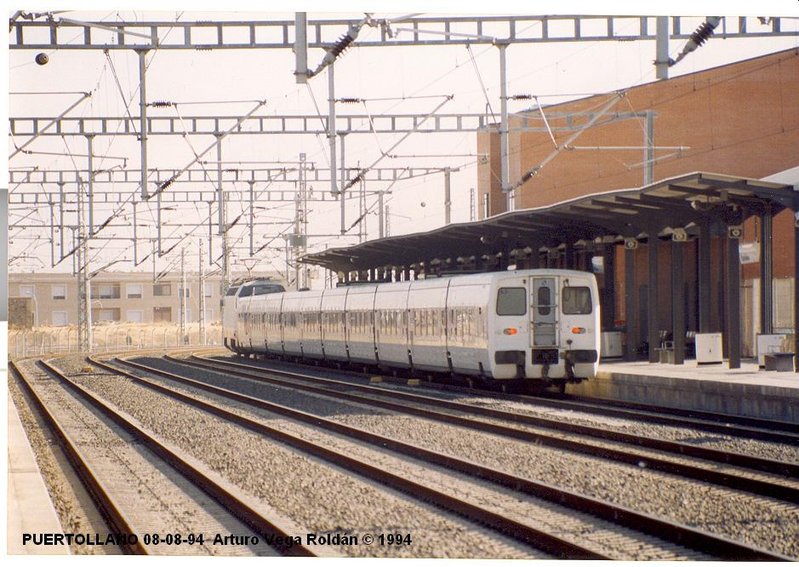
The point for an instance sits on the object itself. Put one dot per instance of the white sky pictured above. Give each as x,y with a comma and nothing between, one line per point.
409,72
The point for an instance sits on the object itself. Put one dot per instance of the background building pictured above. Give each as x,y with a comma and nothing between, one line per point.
740,120
117,297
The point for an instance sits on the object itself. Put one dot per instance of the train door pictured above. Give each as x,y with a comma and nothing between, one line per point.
544,333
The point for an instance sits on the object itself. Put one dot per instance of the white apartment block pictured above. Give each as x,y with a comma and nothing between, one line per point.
122,297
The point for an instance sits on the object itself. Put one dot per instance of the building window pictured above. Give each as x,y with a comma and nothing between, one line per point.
134,290
26,291
59,291
60,319
134,315
106,291
208,288
106,315
162,290
162,314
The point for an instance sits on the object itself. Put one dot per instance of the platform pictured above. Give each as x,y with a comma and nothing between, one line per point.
747,391
29,508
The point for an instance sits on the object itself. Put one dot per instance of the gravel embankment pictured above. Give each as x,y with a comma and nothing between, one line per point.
71,503
153,498
757,448
755,520
620,543
321,498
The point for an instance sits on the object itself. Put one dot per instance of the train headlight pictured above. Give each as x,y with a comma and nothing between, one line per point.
511,331
578,330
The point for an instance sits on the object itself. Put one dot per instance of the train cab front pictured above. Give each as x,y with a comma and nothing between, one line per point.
548,328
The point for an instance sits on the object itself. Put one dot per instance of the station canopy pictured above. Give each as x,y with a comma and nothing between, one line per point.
667,207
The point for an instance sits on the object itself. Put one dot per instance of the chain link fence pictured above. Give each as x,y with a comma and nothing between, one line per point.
41,341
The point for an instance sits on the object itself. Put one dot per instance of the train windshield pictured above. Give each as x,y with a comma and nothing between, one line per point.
511,301
576,301
262,289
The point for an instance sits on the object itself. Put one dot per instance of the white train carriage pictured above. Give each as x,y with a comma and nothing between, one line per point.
240,330
537,324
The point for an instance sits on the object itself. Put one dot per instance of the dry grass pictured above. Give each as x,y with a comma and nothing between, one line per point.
52,340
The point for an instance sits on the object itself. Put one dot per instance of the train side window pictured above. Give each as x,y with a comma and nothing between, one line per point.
577,301
512,301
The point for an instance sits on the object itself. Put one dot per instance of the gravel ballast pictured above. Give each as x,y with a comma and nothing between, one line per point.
759,521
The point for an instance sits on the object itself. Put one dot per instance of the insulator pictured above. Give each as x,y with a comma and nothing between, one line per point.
703,32
166,183
350,100
161,104
342,44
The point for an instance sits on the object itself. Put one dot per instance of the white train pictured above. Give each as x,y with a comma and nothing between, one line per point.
536,324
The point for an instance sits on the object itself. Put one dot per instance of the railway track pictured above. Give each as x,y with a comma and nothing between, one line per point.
101,496
507,424
113,492
733,425
674,532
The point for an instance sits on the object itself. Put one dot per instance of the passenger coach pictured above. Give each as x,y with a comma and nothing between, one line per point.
535,324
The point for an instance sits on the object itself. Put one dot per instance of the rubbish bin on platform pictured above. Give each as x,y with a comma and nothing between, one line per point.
779,361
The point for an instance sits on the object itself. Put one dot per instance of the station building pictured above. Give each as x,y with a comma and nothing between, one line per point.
688,183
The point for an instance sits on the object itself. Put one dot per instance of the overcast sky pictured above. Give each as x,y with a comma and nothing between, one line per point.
414,79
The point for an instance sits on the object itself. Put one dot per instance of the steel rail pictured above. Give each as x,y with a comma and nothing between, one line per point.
101,497
734,425
237,507
519,531
737,425
644,523
329,387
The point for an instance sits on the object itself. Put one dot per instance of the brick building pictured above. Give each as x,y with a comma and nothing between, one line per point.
740,119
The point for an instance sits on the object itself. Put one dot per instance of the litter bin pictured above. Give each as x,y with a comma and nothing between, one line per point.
666,353
779,361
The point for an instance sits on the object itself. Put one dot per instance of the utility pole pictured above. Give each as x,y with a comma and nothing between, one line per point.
662,48
90,166
299,238
331,128
504,158
343,184
203,340
472,205
183,295
223,228
381,214
447,196
143,121
649,148
252,217
362,212
85,338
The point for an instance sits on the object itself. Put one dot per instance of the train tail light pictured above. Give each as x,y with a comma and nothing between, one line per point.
578,330
511,331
